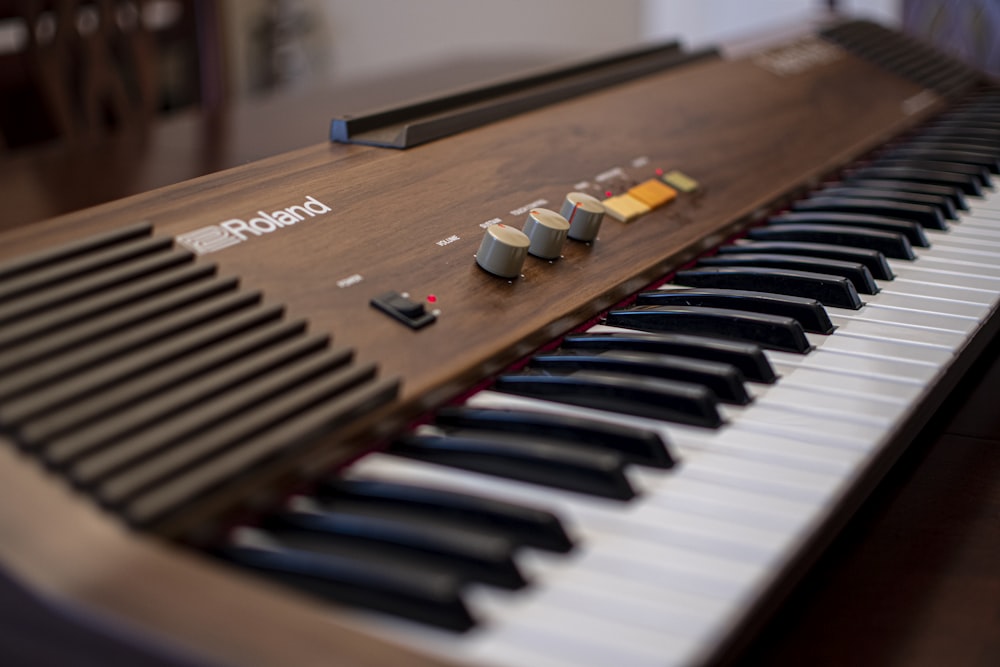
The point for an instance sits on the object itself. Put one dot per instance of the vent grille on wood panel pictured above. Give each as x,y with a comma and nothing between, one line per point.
149,381
906,56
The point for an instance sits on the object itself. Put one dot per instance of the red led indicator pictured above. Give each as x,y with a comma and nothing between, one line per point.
431,298
659,172
608,193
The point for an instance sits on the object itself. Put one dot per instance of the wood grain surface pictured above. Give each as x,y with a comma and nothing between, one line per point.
752,138
749,136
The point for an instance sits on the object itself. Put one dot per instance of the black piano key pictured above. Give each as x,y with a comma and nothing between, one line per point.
665,400
977,173
364,580
857,273
828,289
981,122
724,380
967,184
926,216
944,143
873,260
984,122
809,312
522,525
769,331
637,445
965,154
473,555
531,459
890,244
953,193
940,202
978,137
913,232
748,357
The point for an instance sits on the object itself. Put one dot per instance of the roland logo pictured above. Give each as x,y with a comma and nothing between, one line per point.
237,230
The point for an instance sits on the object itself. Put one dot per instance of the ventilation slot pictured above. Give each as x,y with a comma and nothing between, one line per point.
148,381
906,56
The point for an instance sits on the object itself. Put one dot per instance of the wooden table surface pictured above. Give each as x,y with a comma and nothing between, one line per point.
914,579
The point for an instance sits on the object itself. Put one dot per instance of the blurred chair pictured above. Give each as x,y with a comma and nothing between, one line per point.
77,69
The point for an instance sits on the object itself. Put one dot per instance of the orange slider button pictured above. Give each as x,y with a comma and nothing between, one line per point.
653,193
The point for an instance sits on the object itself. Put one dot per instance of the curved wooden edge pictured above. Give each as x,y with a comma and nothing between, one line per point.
85,564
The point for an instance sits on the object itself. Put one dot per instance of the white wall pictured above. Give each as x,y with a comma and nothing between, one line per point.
887,12
368,37
364,39
711,21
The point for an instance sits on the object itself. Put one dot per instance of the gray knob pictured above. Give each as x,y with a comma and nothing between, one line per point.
503,251
585,214
547,231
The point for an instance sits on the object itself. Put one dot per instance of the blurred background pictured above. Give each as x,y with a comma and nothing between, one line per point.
212,52
100,99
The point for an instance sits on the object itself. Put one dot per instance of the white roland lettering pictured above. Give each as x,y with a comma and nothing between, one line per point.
236,230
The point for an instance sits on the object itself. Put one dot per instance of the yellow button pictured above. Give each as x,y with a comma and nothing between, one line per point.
681,181
653,193
625,208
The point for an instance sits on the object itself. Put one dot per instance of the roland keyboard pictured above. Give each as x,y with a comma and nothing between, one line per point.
580,369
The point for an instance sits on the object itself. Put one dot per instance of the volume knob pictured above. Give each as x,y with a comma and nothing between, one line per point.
547,231
585,214
503,251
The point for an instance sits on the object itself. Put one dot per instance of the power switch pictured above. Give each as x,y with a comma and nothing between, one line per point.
401,307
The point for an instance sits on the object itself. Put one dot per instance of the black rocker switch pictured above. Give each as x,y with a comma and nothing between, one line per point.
400,306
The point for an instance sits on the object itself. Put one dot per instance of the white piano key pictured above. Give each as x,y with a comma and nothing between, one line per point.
780,450
807,398
950,292
672,614
901,390
972,227
943,276
984,207
942,250
875,312
873,367
582,578
962,262
857,339
541,635
968,239
726,471
982,218
899,333
700,496
783,420
889,299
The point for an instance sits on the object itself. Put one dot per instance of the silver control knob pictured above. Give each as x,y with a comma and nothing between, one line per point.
585,214
503,251
547,231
